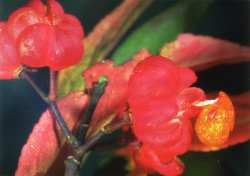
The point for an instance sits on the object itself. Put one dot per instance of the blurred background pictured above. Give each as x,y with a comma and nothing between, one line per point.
20,107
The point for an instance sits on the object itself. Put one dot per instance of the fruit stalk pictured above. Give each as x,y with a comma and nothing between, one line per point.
54,110
97,92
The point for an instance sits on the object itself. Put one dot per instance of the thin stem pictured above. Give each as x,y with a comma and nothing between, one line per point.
90,143
108,129
54,109
47,4
115,126
53,85
67,133
97,92
27,77
71,166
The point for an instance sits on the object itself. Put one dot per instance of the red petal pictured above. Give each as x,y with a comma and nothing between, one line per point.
201,51
241,132
45,141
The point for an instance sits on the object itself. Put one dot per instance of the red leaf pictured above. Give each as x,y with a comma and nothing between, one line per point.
45,141
241,132
202,52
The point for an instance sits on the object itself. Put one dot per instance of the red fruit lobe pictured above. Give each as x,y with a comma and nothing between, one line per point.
21,19
35,45
9,62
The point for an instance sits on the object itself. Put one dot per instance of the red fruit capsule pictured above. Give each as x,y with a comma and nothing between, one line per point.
46,36
161,102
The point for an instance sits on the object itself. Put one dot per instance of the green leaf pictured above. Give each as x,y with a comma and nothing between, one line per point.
161,29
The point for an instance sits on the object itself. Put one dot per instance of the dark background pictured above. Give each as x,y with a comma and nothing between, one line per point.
20,107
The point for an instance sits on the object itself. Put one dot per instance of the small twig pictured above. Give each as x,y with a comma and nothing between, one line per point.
47,4
72,163
30,70
90,143
27,77
108,129
71,166
97,92
71,139
115,126
54,109
53,85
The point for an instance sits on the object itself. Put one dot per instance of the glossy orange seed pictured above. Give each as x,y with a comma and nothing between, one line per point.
216,121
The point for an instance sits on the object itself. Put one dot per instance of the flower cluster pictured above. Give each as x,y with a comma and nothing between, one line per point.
39,35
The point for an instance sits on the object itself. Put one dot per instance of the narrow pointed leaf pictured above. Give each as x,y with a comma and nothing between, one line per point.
201,52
